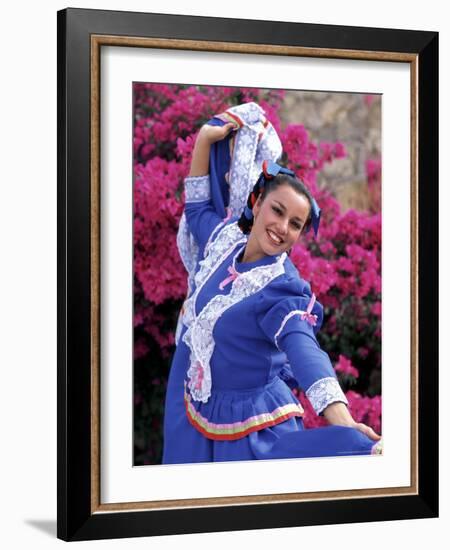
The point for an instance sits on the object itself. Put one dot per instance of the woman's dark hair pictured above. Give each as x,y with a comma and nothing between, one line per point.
270,185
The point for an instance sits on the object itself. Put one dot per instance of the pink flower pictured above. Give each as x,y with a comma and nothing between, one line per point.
140,349
376,309
363,352
345,366
310,418
365,409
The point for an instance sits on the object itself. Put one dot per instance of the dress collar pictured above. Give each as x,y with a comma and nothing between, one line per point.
242,267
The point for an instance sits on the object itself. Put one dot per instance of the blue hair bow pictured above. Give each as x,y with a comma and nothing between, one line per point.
271,169
315,217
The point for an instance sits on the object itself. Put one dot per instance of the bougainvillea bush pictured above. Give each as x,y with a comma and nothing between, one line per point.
343,264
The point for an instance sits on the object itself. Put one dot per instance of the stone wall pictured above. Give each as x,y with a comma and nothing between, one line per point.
354,120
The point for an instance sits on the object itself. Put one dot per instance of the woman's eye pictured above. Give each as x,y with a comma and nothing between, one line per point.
277,210
296,225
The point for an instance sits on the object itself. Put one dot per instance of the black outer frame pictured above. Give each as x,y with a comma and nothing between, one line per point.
75,521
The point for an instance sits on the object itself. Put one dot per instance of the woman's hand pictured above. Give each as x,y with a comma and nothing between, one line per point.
338,414
367,430
211,134
205,138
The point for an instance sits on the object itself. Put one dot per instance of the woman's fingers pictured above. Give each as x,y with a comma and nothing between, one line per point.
367,430
229,127
216,133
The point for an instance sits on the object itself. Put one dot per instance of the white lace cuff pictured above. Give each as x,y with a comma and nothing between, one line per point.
197,188
324,392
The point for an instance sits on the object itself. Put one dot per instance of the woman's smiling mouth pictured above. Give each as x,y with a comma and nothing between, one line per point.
274,238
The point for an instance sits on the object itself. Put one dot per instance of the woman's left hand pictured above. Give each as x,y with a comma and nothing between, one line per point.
338,414
367,430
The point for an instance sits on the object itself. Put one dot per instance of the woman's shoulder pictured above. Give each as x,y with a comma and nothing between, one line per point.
285,296
289,289
290,282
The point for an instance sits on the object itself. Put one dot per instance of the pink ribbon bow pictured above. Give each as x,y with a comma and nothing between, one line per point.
307,315
200,375
228,216
232,277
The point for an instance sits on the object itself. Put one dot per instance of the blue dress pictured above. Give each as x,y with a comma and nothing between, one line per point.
248,335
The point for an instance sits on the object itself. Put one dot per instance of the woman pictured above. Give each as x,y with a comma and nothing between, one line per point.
228,395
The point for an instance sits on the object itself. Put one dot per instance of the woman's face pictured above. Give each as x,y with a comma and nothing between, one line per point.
278,221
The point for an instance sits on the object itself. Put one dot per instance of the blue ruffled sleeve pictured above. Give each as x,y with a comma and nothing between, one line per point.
291,326
201,216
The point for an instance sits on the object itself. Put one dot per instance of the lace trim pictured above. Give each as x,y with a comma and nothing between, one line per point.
224,244
303,315
324,392
197,188
246,163
214,232
247,113
237,430
198,337
187,247
256,141
242,176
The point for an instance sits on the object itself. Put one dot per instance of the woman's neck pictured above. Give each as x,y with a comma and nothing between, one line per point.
251,254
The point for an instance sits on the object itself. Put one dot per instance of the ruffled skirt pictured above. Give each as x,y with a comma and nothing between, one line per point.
260,424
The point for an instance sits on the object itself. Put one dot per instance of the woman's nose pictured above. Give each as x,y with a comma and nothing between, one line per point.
283,226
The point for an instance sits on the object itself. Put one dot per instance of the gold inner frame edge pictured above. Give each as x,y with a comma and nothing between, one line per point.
263,49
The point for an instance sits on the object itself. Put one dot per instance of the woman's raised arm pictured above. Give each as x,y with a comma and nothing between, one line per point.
201,216
206,137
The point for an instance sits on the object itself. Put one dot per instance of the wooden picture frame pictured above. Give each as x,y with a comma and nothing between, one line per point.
81,36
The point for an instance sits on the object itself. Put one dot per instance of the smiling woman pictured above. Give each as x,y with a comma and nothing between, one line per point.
247,334
279,220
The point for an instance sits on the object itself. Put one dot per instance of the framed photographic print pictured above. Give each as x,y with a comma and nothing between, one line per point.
183,412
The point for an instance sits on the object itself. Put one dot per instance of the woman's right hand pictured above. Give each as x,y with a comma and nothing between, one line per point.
211,134
205,138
